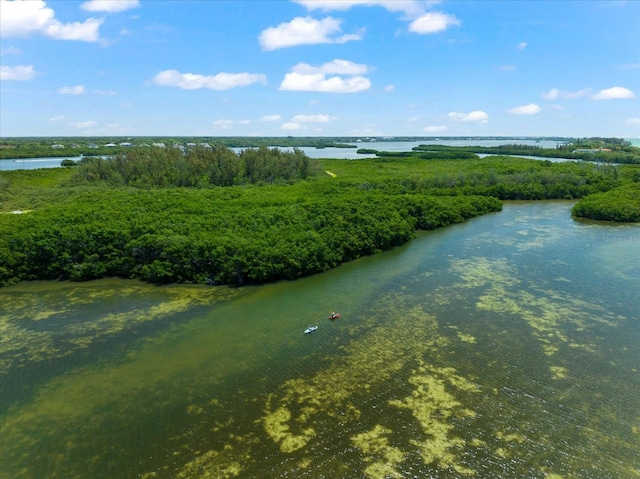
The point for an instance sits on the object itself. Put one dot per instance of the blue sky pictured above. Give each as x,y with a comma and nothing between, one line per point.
319,68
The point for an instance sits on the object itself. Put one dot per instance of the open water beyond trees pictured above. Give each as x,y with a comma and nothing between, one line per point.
502,347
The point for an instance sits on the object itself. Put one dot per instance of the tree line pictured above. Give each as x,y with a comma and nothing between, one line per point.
234,235
435,154
505,178
195,167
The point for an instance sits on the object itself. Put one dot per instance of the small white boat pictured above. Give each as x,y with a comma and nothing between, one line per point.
310,329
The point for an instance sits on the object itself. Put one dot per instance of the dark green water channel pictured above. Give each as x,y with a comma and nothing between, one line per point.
505,347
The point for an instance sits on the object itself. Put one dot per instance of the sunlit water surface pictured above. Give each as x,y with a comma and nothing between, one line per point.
505,347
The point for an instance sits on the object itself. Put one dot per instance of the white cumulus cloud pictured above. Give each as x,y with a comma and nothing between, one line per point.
320,83
337,67
194,81
530,109
22,18
337,76
476,115
633,121
522,45
433,22
86,32
110,6
304,31
614,93
71,90
416,11
17,73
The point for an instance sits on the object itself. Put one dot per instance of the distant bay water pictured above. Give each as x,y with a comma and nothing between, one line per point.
328,152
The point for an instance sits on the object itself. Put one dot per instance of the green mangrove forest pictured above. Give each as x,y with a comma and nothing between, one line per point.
210,215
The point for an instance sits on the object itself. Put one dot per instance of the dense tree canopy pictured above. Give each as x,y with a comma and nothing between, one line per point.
195,167
262,215
223,235
620,204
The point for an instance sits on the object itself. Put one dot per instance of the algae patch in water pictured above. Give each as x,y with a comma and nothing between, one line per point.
73,407
222,464
330,392
276,423
346,391
44,321
558,372
555,319
433,405
465,338
381,457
